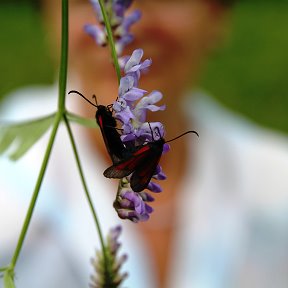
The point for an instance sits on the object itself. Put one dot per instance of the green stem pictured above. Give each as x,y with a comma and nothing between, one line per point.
64,57
90,203
110,40
36,191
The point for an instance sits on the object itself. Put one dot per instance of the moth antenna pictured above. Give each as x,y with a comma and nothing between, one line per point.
110,106
95,98
151,131
191,131
74,91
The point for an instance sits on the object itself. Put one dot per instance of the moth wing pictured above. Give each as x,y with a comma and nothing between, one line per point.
144,172
112,140
129,164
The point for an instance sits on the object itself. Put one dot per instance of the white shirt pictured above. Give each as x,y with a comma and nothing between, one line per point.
232,217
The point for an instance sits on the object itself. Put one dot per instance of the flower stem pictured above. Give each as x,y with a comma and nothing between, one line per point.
36,191
110,40
90,203
64,57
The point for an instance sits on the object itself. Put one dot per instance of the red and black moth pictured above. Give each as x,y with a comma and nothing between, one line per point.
108,126
142,163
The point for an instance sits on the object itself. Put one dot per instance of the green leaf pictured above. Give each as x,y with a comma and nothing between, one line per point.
23,135
2,269
82,121
8,279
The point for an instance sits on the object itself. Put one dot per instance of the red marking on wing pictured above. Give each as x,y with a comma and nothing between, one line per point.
128,165
143,149
100,122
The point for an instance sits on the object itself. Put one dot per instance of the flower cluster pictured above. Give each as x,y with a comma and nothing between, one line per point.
131,110
131,106
120,23
107,274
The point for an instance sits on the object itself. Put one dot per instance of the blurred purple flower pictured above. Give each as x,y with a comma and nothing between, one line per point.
120,24
107,274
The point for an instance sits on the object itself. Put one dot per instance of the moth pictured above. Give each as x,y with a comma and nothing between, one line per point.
142,163
108,126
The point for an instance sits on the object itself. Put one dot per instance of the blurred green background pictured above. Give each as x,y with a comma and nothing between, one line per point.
249,74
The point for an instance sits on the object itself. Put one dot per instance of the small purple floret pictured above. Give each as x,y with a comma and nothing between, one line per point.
131,205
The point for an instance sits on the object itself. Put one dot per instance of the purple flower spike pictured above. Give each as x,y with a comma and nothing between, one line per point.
120,24
108,274
131,108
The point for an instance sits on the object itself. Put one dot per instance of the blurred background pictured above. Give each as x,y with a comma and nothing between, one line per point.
247,74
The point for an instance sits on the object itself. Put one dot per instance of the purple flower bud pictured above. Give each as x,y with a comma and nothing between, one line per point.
159,174
166,148
122,42
146,196
154,187
128,21
97,9
97,34
130,205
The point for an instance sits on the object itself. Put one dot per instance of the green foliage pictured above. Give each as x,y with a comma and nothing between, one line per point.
82,121
23,51
21,137
250,74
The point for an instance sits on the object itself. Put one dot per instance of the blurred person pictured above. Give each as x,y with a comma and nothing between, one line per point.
222,218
